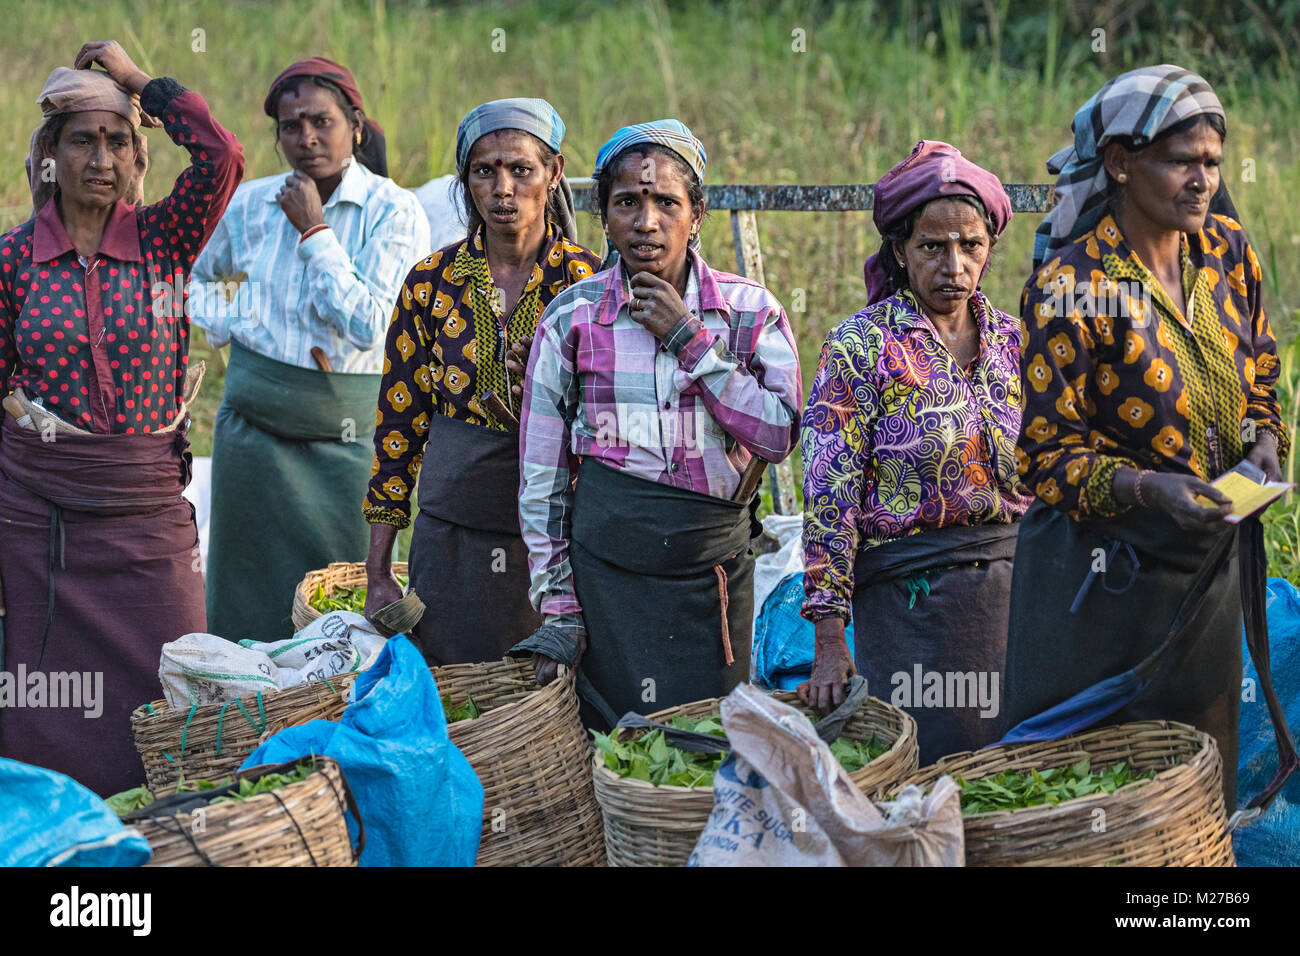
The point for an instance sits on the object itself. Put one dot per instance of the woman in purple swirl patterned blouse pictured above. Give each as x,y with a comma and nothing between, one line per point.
910,486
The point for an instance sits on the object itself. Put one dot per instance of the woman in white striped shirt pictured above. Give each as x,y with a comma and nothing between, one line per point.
322,253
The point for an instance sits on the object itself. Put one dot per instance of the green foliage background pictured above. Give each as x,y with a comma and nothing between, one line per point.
780,91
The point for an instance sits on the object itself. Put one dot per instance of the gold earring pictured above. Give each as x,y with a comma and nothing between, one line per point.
358,137
1122,177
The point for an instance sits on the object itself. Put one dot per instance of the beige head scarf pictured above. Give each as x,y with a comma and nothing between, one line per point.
78,91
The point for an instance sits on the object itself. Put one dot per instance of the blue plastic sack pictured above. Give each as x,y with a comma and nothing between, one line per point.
420,800
48,819
782,653
1272,839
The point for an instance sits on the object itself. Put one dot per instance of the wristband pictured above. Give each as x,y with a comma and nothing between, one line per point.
1137,486
312,231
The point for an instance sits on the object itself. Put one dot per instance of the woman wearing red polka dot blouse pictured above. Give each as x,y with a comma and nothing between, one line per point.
98,550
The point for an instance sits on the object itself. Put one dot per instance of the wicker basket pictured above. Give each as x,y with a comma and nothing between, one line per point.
338,574
298,825
1177,819
647,825
209,741
534,760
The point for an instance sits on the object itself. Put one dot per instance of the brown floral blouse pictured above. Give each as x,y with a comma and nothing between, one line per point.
1116,375
446,348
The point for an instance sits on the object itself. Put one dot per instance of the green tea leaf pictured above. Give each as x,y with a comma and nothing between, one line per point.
466,711
128,800
1008,790
653,758
658,749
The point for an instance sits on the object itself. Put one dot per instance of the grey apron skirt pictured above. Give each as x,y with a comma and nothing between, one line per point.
658,570
930,631
1071,628
468,561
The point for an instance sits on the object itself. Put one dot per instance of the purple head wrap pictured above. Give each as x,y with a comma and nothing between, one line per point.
933,171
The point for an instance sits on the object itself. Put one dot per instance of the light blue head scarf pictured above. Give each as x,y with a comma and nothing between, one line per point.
535,116
671,133
530,115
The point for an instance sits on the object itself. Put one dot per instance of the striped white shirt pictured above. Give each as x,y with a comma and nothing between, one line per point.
336,290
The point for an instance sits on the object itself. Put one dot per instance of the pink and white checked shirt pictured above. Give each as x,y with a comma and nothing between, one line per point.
689,412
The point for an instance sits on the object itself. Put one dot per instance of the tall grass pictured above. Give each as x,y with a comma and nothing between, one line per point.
843,111
1282,520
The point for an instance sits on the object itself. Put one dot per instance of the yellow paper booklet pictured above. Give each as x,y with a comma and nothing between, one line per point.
1249,490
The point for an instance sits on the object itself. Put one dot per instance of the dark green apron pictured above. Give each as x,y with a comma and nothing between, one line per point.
291,458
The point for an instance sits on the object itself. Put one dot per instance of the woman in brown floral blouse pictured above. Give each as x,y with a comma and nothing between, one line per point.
452,377
1149,370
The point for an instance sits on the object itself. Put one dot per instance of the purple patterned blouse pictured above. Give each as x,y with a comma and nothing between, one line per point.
898,439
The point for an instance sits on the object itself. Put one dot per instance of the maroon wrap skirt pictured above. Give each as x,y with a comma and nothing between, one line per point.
99,562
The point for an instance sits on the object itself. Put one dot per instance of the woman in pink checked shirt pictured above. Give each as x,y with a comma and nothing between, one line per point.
664,379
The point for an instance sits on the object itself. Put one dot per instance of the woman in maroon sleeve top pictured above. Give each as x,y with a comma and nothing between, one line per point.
98,549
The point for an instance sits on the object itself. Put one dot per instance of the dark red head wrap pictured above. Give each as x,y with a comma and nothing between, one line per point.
372,151
316,66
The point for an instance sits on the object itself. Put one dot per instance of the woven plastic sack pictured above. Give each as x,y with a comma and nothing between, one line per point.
1274,838
48,819
204,668
421,800
782,799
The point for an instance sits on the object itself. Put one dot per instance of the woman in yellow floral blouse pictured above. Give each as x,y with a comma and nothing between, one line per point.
452,377
1149,370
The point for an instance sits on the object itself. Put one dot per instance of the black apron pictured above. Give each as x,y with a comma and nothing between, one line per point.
1123,616
468,561
904,636
646,559
291,457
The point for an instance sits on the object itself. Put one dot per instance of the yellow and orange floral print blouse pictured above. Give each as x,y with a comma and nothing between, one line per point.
444,351
1116,375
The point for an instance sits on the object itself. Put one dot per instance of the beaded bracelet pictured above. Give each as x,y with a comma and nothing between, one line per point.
1137,486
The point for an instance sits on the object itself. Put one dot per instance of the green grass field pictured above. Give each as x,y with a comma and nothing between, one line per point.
780,92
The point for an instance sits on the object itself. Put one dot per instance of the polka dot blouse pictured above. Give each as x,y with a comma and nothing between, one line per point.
104,343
